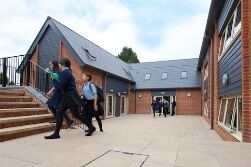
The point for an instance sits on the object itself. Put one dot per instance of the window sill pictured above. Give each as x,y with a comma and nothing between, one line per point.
235,134
229,46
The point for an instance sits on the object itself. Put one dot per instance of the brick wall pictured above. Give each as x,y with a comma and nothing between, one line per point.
246,70
97,76
188,105
143,102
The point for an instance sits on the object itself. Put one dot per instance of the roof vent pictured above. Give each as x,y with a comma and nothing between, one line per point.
93,58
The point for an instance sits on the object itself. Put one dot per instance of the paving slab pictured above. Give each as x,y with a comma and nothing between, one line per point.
179,141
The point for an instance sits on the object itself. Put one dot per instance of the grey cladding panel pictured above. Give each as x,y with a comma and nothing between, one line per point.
231,64
48,48
116,85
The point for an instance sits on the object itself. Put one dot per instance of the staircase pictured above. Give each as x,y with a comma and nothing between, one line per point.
21,115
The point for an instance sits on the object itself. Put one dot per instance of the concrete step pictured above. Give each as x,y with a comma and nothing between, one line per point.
5,105
24,120
22,131
16,112
12,93
4,98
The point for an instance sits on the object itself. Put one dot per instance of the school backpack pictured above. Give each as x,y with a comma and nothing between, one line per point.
100,93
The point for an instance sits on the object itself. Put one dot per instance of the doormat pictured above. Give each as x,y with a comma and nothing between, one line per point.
118,158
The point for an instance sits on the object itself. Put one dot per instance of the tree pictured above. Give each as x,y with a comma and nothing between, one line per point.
128,55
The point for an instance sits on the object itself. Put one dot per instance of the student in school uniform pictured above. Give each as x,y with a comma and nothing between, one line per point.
70,100
93,107
55,95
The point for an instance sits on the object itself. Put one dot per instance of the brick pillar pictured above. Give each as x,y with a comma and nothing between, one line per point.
246,70
216,44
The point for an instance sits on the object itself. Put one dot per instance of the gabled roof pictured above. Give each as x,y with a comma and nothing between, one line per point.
83,51
173,68
214,11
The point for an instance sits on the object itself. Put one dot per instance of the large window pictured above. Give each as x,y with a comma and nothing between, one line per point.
232,29
206,73
205,108
164,75
230,114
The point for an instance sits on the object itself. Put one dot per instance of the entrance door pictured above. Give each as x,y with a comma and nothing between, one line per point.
168,98
109,106
123,105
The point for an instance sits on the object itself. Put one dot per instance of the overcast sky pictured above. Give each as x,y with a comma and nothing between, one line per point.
155,29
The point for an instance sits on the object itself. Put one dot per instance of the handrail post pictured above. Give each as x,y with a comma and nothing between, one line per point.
5,80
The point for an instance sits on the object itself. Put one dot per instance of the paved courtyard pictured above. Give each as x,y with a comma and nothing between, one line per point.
130,141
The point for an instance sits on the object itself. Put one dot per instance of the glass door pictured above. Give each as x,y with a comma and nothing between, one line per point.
110,106
123,105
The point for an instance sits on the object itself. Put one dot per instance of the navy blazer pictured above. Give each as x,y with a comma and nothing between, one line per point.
67,82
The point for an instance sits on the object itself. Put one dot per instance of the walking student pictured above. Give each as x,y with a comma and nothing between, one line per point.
154,107
55,95
159,106
70,100
165,107
173,107
93,107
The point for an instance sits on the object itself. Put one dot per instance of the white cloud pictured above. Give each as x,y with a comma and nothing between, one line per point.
106,23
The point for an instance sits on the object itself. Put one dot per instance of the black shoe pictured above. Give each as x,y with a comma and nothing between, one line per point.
87,130
101,130
52,122
90,132
69,124
53,136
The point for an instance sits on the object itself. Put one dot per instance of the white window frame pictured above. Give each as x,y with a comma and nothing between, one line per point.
148,76
182,75
125,105
235,31
164,76
206,72
205,108
237,134
113,105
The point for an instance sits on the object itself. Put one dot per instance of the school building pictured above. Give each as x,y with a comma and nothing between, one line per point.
129,88
215,86
224,62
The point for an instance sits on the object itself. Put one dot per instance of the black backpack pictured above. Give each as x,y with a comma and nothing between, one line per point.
100,93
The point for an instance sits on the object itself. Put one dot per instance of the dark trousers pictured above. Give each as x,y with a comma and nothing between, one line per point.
173,108
90,113
165,111
160,112
75,112
154,111
54,112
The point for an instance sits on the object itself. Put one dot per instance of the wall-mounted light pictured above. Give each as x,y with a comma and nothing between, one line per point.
119,94
189,95
111,90
140,96
225,79
162,93
124,92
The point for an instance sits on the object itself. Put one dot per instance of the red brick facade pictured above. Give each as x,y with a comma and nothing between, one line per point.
246,69
188,97
143,102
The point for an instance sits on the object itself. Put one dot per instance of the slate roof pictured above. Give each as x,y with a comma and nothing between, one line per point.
93,55
173,68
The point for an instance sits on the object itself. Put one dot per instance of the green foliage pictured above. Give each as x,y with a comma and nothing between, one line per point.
128,55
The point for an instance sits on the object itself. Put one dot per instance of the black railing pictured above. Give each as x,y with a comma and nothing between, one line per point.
14,71
8,71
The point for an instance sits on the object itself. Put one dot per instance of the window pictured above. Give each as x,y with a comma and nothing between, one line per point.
232,29
93,58
230,114
205,108
183,74
148,76
222,110
164,75
206,73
